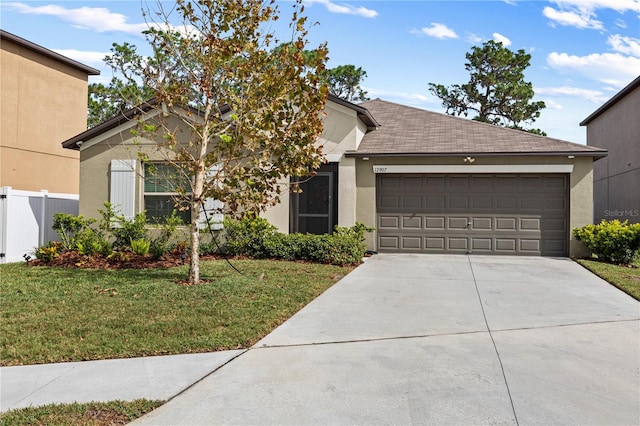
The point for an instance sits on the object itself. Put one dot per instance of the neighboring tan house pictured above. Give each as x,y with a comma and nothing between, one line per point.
616,179
428,182
44,101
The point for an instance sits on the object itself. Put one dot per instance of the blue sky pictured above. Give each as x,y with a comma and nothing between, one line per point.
583,51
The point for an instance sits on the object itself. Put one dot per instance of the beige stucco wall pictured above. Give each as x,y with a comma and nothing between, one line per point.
616,177
342,132
43,103
580,208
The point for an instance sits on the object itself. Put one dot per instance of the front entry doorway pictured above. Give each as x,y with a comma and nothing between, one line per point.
315,209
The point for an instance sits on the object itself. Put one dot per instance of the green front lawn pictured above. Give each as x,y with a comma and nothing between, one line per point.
58,315
625,278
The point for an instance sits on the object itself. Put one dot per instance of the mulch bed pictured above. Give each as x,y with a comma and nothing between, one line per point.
74,260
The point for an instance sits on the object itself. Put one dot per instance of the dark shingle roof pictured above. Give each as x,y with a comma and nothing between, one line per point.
409,131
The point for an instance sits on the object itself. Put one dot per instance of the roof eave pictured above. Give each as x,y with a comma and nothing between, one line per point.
363,113
595,154
49,53
621,94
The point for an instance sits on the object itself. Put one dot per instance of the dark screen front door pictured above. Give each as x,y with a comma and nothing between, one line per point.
314,209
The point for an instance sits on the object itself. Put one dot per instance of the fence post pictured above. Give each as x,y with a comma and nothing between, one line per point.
43,217
4,210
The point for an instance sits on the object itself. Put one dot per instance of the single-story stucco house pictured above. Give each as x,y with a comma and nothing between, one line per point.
427,182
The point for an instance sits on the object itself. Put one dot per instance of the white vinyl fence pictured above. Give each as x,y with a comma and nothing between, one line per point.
26,220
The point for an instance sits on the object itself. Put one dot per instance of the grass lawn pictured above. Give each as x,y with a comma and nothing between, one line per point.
58,315
625,278
91,414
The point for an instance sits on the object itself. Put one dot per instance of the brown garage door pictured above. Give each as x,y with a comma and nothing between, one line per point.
484,214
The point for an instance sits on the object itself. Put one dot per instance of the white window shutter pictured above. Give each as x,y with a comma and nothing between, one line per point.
123,187
212,206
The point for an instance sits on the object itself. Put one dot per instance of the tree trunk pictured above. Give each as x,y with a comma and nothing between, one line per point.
194,262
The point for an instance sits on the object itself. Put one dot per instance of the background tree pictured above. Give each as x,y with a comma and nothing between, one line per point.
496,91
344,82
106,101
233,115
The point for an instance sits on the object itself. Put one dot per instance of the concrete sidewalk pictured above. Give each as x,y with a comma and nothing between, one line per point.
403,339
156,378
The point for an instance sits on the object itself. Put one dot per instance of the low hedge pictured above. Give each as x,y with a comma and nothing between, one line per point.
257,238
612,241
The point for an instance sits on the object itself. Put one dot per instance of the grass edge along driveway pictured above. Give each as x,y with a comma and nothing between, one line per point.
625,278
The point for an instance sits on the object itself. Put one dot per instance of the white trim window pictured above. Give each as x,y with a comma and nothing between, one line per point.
163,185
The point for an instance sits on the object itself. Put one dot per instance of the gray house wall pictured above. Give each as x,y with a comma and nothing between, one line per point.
616,178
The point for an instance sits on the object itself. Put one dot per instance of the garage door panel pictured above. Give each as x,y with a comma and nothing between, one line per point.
388,243
457,223
554,203
458,202
412,222
482,223
388,222
501,214
434,223
458,244
409,243
436,202
389,202
505,203
482,244
482,202
506,223
411,202
530,246
435,243
555,182
530,224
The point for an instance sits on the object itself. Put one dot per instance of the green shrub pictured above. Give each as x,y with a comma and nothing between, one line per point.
612,241
90,242
49,251
68,227
256,238
129,230
246,236
160,245
140,246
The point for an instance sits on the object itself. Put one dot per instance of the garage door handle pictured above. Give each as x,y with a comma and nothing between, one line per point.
469,225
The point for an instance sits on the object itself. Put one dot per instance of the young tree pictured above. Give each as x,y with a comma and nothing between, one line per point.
344,82
233,115
496,91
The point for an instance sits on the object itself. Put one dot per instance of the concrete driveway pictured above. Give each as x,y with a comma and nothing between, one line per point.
426,339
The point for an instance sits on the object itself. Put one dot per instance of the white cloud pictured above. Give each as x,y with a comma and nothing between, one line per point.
473,38
594,96
610,68
582,13
346,9
83,56
501,39
617,5
436,30
626,45
582,19
98,19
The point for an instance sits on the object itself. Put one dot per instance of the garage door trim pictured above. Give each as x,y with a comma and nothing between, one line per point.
474,168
